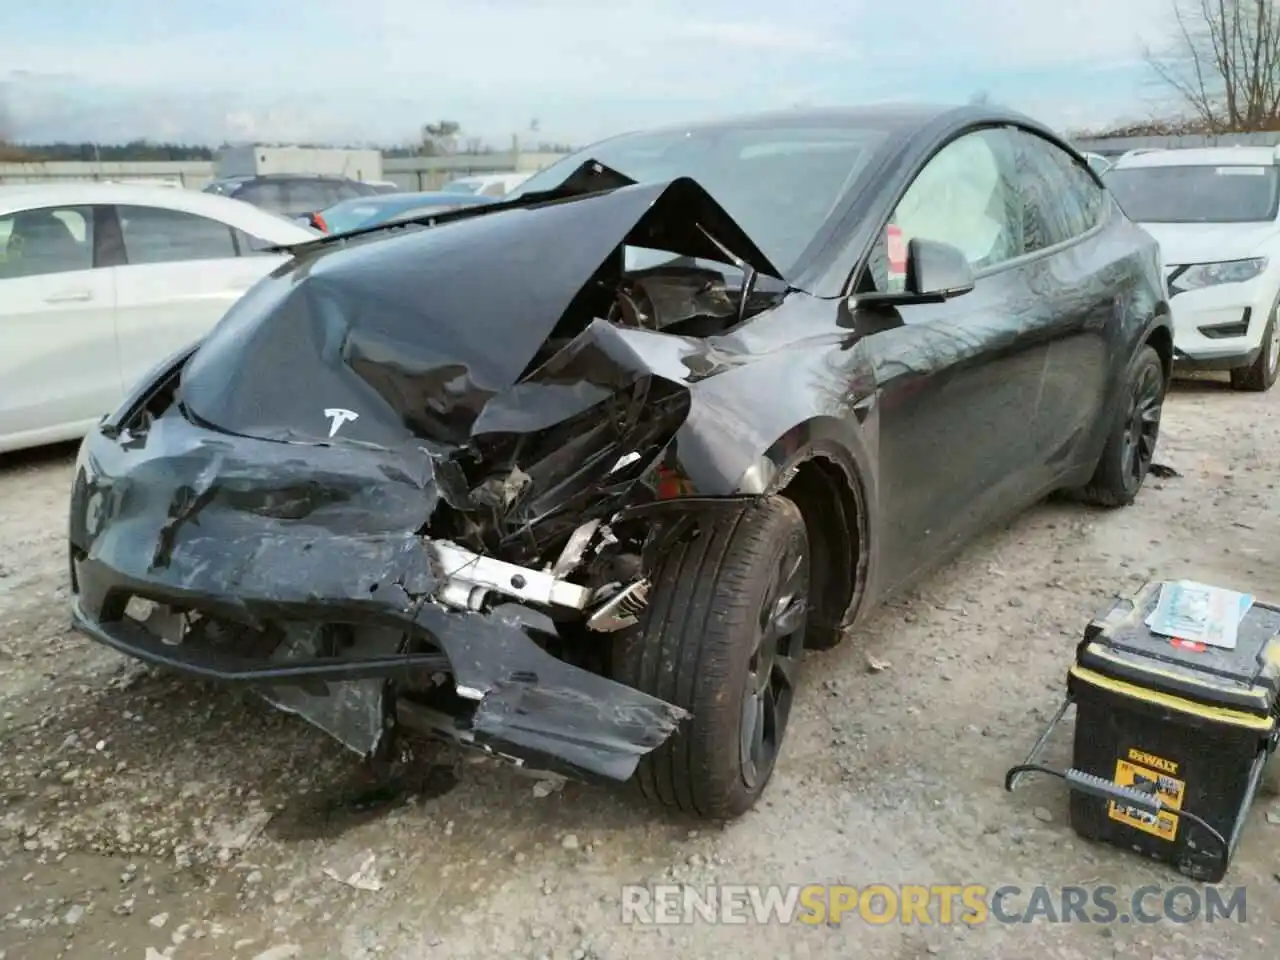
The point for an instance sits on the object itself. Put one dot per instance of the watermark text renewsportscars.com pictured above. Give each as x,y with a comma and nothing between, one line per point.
929,904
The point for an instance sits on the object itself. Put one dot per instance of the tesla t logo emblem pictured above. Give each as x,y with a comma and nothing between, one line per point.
337,417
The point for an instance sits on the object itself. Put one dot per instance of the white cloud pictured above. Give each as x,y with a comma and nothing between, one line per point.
376,69
763,37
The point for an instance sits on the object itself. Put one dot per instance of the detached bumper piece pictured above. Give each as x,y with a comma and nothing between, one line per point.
184,558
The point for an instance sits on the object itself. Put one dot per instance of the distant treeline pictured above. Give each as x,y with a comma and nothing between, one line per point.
107,152
1170,127
144,150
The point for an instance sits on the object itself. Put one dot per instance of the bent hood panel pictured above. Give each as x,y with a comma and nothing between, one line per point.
415,332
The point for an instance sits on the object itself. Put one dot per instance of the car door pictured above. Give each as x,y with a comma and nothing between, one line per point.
956,382
1075,279
181,272
58,368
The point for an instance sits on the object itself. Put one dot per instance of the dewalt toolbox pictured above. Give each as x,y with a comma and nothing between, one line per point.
1171,739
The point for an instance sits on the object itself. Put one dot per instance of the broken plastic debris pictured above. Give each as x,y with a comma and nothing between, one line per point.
544,788
364,877
237,836
875,665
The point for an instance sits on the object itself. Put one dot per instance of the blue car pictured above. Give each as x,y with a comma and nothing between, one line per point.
371,211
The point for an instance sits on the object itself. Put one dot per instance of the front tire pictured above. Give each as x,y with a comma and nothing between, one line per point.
1131,444
722,637
1260,376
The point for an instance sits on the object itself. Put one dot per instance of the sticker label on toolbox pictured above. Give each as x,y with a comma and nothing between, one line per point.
1151,769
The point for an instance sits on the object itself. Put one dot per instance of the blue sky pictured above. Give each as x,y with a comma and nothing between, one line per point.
375,70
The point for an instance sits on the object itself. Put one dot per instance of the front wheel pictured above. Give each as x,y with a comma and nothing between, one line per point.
1261,375
1131,444
722,637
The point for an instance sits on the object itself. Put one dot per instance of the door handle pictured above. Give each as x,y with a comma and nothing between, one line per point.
69,296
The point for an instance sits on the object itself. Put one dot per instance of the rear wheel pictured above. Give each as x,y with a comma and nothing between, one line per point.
722,637
1261,374
1131,444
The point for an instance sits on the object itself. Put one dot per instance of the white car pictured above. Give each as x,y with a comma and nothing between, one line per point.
1216,214
488,184
101,281
1097,162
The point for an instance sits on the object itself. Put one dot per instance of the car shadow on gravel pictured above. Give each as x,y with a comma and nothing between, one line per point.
36,458
1200,383
180,755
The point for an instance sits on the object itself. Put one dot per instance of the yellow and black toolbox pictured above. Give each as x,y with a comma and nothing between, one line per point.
1171,739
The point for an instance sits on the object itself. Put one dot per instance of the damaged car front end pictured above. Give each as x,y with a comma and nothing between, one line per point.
412,479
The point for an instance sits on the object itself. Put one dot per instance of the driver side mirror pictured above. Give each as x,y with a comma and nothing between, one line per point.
936,272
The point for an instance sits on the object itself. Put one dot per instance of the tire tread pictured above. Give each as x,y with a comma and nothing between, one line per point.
701,604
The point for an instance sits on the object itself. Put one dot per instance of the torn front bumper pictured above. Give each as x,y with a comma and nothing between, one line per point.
283,543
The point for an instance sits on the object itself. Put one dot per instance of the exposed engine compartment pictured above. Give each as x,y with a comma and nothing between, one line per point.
528,491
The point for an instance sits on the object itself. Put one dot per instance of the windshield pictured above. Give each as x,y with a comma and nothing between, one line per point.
779,183
222,187
1196,194
351,214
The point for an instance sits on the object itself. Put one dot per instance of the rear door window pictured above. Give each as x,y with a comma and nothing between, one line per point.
158,235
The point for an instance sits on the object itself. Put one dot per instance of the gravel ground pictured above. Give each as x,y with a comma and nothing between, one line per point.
144,816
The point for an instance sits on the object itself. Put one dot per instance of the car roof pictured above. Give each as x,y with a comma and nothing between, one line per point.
18,197
491,177
244,177
1201,156
384,200
897,116
900,120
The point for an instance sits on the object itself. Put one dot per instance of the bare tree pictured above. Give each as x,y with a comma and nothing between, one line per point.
1224,62
440,137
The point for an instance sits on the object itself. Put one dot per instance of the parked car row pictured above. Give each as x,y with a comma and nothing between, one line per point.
305,197
291,195
363,212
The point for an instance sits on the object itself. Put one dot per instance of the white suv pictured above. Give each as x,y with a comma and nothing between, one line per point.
1216,214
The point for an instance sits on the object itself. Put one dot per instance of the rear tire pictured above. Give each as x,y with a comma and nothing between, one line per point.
1260,376
1131,444
722,637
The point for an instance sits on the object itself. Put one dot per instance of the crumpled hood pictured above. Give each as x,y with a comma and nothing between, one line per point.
1188,243
414,333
